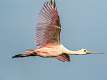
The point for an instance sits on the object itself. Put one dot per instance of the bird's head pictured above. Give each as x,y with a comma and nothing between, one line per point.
85,51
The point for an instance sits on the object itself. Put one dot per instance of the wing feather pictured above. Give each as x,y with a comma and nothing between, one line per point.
64,57
48,27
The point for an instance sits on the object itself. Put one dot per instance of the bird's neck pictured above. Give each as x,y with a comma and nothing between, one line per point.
67,51
73,52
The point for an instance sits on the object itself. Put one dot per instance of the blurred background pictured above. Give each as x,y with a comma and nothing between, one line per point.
84,25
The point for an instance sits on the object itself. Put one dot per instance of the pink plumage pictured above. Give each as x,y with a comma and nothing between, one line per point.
48,26
48,36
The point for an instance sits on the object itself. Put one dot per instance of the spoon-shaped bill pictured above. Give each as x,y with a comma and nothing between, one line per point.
92,52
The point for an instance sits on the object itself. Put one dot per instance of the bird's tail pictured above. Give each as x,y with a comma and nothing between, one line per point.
26,54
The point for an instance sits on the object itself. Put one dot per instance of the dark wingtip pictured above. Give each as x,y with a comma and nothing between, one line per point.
19,56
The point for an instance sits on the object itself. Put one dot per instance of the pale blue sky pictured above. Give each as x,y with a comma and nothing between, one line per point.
84,25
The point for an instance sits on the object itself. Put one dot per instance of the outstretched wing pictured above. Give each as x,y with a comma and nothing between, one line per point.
48,27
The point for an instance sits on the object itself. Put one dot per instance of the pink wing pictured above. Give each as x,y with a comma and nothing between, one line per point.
48,26
63,58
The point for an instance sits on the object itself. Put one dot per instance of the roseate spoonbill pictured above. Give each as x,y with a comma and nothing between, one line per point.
48,36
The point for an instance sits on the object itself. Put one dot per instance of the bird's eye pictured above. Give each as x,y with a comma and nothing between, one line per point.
85,50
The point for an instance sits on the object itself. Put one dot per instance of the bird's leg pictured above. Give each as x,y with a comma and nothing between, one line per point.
25,54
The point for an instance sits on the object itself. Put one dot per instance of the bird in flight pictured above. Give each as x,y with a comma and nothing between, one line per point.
48,37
